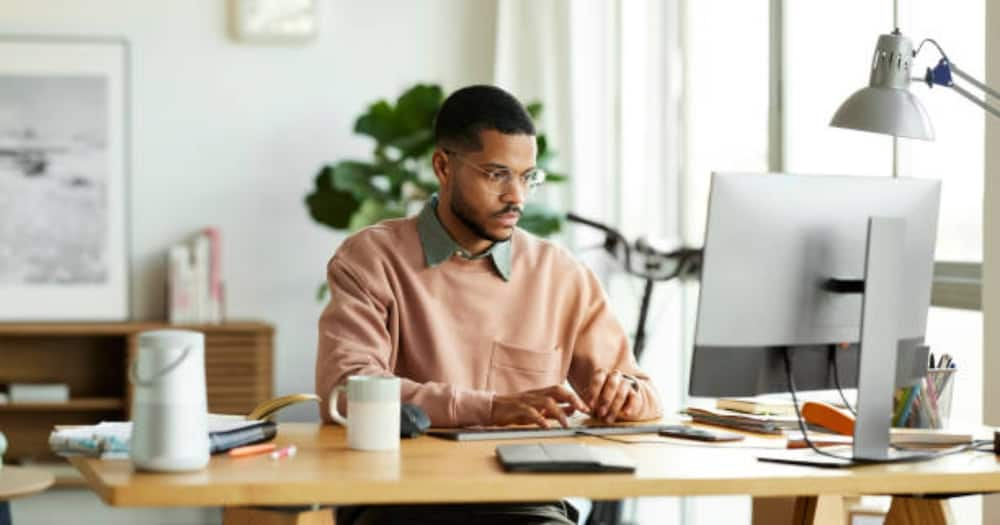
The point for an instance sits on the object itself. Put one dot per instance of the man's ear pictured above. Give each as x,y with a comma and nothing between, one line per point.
439,161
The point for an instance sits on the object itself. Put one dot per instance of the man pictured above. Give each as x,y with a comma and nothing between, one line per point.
482,322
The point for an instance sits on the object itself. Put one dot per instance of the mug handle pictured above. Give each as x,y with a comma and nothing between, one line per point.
333,405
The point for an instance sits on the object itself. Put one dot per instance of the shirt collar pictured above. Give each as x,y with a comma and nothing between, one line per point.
439,246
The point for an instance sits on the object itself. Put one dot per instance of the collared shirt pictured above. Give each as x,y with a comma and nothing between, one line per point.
439,246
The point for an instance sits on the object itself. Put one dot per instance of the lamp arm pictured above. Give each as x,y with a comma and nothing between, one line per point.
968,78
975,100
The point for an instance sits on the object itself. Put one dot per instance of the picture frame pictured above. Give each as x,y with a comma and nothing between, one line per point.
64,162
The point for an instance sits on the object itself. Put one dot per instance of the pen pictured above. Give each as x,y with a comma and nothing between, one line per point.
251,450
286,452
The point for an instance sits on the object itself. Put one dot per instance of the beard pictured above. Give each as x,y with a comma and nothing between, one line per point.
461,209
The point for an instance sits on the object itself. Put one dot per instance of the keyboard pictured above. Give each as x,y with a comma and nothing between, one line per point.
485,434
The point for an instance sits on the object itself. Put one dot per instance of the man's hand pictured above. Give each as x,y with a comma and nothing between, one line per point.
612,394
534,406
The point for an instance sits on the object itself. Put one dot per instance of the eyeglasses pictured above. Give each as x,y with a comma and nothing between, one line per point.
498,180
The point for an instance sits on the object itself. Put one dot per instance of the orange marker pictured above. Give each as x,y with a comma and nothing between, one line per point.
251,450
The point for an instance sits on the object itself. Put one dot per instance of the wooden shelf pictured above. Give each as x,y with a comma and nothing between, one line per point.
90,329
93,359
83,404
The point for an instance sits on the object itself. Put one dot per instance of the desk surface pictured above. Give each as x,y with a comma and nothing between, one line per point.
21,481
430,470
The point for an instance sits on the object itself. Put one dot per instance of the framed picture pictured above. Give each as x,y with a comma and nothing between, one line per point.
63,179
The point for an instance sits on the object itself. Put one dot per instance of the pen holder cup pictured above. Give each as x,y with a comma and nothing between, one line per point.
926,404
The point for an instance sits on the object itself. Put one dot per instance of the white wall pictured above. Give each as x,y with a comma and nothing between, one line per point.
231,134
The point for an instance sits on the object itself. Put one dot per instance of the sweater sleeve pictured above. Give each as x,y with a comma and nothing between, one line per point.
354,339
601,343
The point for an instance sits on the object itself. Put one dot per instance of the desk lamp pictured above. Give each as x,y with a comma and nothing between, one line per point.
887,106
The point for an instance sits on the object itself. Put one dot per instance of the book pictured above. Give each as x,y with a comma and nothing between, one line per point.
247,433
38,392
194,279
756,405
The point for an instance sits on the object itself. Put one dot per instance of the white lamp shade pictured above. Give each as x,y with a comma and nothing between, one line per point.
892,111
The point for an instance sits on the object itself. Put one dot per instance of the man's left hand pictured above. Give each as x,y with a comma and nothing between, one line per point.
613,395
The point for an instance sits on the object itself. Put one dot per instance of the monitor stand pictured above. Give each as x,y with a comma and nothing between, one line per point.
882,289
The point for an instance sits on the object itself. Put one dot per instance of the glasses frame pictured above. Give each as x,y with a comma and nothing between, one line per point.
505,183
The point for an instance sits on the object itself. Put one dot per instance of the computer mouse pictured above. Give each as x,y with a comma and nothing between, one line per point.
413,421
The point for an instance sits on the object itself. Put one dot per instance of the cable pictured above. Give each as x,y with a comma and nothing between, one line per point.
798,413
934,42
832,356
924,455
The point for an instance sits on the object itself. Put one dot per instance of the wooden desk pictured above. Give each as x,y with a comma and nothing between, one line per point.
429,470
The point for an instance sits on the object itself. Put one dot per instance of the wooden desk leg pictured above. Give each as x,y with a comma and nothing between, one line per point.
822,510
919,511
276,516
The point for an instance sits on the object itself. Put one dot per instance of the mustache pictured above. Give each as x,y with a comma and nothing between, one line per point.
510,208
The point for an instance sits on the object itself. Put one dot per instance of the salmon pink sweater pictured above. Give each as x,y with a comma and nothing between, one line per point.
457,333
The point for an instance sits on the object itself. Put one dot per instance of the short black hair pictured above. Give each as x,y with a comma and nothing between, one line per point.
472,109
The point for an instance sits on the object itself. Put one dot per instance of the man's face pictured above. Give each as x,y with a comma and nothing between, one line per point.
489,211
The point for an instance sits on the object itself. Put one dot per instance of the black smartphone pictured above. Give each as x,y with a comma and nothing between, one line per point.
685,432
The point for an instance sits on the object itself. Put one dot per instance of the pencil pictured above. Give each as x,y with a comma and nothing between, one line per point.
251,450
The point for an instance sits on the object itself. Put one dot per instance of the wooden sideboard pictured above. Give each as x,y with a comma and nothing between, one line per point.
93,359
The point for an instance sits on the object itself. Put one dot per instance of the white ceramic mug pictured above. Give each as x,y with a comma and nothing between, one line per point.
372,412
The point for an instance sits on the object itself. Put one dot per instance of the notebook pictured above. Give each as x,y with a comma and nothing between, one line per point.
563,457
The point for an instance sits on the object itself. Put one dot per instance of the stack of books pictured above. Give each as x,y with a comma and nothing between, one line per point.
194,280
760,424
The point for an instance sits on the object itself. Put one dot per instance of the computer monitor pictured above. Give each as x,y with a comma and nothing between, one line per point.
776,248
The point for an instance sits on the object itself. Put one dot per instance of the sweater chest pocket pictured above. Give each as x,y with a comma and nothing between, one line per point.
516,368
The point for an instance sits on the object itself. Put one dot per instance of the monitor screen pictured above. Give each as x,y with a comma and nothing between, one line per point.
771,242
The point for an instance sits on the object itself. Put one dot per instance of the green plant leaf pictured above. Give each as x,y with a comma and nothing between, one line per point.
554,177
415,144
540,220
544,153
534,109
407,126
416,108
379,122
371,212
328,205
322,291
355,177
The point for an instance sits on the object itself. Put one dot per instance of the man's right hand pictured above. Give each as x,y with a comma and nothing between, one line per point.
535,406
